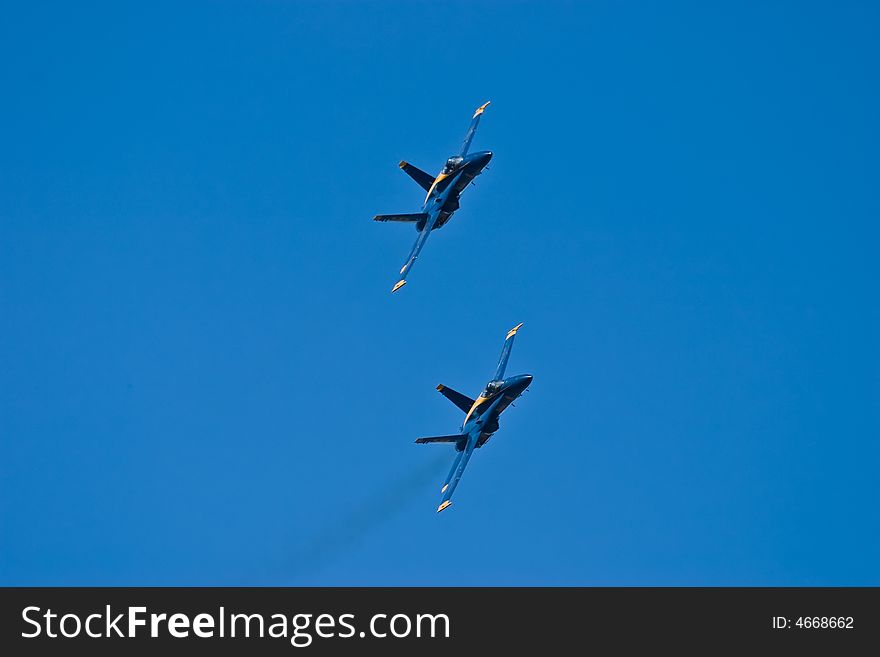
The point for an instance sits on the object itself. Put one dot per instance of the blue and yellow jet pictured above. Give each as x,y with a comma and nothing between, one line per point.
443,193
481,419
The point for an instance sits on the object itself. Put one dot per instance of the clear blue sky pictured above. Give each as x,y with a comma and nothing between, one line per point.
205,380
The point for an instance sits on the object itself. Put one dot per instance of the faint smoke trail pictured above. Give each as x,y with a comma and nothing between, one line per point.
348,529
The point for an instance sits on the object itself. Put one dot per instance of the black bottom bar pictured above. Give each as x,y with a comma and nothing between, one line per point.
432,621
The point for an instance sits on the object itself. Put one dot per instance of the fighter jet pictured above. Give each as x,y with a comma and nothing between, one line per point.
443,191
481,419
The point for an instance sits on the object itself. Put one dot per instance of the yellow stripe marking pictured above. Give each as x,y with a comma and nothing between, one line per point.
443,506
513,331
480,109
439,178
399,285
478,401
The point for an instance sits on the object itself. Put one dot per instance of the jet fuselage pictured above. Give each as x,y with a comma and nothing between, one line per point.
443,197
495,398
481,416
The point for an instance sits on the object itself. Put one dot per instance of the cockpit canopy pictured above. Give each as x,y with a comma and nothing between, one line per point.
452,163
492,387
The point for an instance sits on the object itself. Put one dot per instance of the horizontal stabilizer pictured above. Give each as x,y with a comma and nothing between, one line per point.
425,180
462,401
410,218
442,439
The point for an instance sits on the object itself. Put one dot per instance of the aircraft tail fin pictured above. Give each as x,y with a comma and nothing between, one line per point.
425,180
410,218
458,438
462,401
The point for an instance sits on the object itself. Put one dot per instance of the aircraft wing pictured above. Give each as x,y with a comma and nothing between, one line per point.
433,214
505,353
458,467
414,253
472,129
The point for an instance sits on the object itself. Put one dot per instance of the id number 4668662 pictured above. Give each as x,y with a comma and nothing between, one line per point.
814,623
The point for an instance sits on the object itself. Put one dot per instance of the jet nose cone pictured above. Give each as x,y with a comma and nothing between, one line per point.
523,381
482,158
